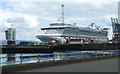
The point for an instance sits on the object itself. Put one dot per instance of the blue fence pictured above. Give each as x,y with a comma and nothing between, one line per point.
57,56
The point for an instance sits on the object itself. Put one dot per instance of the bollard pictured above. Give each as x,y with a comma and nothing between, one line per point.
66,55
87,54
39,57
53,56
21,59
95,53
78,55
103,53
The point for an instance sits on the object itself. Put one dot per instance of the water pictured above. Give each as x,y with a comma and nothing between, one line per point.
28,58
32,58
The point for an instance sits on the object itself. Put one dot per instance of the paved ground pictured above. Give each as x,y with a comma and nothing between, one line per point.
109,65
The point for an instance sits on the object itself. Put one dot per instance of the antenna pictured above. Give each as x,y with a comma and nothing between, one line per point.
62,13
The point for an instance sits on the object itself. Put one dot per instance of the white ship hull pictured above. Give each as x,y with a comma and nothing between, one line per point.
73,33
49,37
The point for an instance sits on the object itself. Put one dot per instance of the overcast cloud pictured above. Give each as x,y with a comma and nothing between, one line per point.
29,16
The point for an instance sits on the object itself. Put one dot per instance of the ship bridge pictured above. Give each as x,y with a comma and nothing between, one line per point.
57,24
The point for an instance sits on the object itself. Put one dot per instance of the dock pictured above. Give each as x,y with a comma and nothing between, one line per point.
102,53
58,48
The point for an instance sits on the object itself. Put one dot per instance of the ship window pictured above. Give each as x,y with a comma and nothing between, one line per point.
55,24
75,39
59,31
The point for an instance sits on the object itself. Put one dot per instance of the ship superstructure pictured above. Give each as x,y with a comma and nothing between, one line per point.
61,32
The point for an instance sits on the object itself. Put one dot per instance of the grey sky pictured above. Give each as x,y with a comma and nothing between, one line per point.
28,17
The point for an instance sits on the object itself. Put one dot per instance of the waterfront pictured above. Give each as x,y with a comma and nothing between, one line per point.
13,59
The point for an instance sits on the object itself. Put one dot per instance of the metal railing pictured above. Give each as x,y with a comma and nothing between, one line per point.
58,56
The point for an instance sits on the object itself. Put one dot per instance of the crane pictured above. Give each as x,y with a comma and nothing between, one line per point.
116,29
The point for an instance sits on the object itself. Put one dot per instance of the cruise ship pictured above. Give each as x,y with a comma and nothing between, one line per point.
60,32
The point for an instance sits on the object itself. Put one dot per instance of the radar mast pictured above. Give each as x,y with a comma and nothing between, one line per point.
62,13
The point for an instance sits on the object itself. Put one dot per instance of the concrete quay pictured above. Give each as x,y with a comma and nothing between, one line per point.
94,64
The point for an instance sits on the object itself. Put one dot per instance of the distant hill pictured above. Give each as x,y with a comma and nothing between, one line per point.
17,41
3,42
